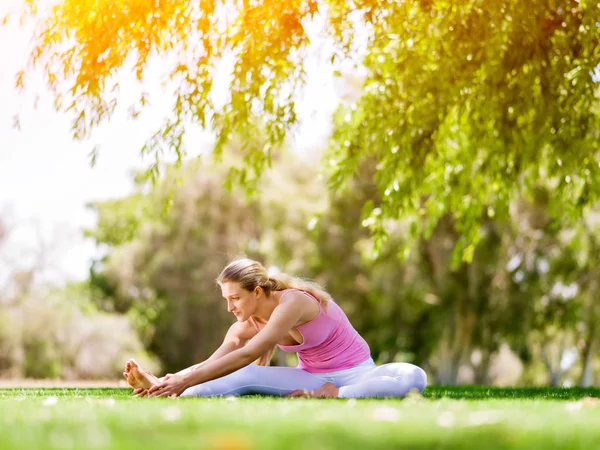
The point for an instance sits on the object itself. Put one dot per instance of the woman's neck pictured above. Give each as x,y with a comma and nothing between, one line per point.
266,307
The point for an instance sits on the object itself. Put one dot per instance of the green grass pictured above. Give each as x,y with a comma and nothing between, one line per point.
444,418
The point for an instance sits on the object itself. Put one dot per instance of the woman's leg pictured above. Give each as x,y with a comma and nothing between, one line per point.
254,379
388,380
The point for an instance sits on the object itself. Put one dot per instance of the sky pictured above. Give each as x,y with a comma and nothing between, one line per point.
45,176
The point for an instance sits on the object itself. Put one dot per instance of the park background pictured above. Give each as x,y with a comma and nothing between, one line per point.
441,186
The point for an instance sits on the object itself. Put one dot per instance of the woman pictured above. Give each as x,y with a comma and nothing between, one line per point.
299,316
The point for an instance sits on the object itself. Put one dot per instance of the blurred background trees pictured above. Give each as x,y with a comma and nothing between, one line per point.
454,212
56,332
524,310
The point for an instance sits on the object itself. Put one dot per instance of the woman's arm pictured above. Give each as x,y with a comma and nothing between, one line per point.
236,337
284,317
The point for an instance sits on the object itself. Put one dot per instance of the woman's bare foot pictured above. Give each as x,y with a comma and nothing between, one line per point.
328,390
138,378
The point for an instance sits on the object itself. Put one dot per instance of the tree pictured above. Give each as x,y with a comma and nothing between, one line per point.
466,105
48,331
544,286
161,268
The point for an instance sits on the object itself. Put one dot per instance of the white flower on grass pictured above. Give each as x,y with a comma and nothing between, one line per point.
96,436
446,420
50,401
108,402
587,402
171,414
351,403
385,414
483,418
231,398
573,406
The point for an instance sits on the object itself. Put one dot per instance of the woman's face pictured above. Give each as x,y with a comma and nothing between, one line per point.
240,302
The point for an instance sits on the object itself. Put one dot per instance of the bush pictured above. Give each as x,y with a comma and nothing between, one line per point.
59,334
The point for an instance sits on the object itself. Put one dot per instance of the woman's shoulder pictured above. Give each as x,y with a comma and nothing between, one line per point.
301,298
301,301
294,293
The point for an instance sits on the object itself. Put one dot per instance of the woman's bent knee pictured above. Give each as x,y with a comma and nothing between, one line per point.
419,379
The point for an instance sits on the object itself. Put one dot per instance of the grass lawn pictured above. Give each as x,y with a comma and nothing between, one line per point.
444,418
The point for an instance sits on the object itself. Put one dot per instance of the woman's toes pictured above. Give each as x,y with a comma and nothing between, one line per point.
300,393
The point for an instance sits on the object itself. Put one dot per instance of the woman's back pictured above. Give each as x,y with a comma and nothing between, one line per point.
330,341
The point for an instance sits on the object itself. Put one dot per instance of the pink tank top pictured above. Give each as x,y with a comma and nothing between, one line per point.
330,341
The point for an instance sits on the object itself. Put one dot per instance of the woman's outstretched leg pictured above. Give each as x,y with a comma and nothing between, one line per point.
388,380
254,379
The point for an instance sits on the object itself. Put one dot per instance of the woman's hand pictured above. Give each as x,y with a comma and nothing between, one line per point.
140,392
172,386
165,378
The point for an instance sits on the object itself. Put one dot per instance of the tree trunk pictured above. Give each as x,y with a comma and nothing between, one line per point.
588,357
482,371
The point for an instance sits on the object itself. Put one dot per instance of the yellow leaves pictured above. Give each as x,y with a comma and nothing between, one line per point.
19,82
230,441
468,252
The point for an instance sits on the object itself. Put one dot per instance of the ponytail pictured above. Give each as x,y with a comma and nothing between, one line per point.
282,281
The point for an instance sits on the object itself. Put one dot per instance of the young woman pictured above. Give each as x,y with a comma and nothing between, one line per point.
298,316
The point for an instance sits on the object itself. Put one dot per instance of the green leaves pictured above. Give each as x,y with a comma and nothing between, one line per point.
466,106
469,108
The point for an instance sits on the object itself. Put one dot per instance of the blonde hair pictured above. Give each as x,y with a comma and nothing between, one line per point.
251,274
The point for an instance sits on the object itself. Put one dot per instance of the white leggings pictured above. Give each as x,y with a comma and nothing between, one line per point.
363,380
